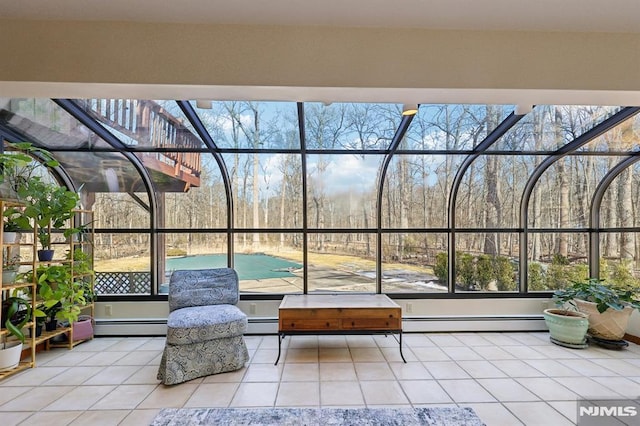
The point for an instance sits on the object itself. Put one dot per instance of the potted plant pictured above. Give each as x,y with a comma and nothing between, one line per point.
50,206
11,230
18,313
10,266
567,327
59,294
18,166
608,306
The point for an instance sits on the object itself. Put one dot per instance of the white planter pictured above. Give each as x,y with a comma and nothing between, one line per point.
9,237
10,355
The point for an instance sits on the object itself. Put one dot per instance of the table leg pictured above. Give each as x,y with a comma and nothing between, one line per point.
400,342
280,337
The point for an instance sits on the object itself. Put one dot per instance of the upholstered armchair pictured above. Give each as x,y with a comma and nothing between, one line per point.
204,329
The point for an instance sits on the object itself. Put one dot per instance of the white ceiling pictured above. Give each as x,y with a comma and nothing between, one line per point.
534,15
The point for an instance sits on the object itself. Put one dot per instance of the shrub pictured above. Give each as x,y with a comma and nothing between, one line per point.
441,268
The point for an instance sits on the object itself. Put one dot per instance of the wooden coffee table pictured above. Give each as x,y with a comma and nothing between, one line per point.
313,314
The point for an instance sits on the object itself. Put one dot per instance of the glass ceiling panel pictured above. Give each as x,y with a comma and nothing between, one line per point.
44,123
549,127
350,126
452,127
625,137
101,171
144,124
252,125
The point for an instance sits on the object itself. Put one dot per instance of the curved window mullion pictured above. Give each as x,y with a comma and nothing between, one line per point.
572,146
594,213
485,144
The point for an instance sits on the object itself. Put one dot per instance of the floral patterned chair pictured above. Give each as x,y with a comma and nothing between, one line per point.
204,328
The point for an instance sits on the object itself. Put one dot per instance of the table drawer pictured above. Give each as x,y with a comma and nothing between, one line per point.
371,324
309,324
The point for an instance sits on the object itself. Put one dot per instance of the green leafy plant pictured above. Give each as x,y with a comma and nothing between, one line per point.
594,290
60,296
18,314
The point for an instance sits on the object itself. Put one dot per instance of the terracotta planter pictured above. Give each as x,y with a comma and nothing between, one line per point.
609,325
567,326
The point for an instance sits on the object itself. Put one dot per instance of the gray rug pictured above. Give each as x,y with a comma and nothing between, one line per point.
445,416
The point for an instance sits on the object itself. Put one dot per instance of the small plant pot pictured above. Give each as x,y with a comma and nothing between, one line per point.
38,330
10,355
567,326
10,237
45,255
51,325
9,277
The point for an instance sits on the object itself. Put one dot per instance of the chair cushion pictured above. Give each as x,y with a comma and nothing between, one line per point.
203,323
200,287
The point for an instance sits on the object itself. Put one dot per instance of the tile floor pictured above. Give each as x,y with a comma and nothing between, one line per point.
508,378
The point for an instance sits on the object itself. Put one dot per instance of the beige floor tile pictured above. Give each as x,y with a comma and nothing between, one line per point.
493,413
466,391
144,375
73,376
230,376
567,409
255,395
619,366
169,396
383,341
271,342
499,339
51,418
263,373
36,376
296,394
80,398
392,354
335,355
587,388
445,339
138,358
367,355
100,418
302,354
252,342
14,418
517,368
430,354
124,397
266,356
461,353
212,395
416,340
524,352
493,353
547,389
552,351
537,414
303,342
340,394
97,345
425,392
625,387
113,375
71,359
481,369
373,371
587,367
139,417
364,341
409,371
507,389
36,399
103,358
445,370
340,371
152,345
127,345
332,342
7,393
378,392
552,368
302,372
472,339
